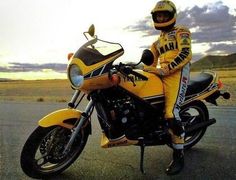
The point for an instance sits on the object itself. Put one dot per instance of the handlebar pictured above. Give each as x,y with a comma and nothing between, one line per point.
126,70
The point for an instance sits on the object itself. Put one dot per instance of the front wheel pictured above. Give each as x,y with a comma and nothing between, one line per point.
42,153
192,114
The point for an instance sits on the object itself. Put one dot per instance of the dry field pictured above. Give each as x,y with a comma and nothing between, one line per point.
60,90
39,90
228,77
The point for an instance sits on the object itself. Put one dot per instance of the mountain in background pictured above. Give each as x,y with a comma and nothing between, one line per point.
215,62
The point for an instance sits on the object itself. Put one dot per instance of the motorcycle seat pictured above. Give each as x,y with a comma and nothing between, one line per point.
198,83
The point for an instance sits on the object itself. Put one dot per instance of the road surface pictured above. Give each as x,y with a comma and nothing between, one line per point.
214,157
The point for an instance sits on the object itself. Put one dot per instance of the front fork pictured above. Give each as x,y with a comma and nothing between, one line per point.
84,116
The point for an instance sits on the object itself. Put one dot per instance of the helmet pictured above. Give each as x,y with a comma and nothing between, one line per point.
164,8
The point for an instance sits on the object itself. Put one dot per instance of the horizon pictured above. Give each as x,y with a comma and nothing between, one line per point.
51,74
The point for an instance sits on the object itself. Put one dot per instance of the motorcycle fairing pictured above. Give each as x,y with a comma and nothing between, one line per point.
96,75
59,117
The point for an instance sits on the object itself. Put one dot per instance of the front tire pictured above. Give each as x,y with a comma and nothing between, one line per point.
42,153
191,114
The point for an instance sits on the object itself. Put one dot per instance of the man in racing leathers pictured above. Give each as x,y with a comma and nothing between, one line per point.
172,52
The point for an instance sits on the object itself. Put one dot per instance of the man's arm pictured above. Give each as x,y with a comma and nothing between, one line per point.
183,38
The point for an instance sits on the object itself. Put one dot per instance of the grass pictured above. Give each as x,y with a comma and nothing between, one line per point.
60,91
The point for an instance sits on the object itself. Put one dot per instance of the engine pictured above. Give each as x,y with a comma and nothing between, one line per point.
124,117
119,114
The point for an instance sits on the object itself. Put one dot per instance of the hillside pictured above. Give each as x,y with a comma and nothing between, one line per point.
215,62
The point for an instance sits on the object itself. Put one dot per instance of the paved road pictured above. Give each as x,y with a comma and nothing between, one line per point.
212,158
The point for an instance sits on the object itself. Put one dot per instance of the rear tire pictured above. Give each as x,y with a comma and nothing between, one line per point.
48,143
191,114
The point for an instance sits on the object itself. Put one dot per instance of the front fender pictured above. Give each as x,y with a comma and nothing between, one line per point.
58,117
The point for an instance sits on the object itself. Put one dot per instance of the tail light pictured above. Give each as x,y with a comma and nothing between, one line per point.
220,84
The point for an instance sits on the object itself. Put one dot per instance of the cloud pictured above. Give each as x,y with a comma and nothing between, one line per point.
28,67
224,48
144,26
211,23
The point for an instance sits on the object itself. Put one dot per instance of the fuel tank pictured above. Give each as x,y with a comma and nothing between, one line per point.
152,88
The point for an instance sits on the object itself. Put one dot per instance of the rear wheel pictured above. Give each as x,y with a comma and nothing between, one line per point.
42,155
192,114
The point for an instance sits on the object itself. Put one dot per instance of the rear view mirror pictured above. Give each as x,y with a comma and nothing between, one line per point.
91,30
147,57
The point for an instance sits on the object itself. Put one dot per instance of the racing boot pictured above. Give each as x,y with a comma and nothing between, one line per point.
177,164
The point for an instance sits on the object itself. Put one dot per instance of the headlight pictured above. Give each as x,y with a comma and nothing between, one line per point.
75,75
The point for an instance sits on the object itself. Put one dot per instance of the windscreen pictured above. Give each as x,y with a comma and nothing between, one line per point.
97,52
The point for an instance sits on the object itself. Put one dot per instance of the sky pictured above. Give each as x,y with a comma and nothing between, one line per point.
37,35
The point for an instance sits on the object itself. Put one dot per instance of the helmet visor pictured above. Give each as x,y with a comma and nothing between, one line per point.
162,16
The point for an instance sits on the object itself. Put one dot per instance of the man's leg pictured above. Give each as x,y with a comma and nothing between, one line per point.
175,87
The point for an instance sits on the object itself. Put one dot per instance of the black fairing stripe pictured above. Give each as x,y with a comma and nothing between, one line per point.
99,71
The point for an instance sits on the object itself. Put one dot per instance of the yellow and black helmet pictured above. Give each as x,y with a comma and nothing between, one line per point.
167,7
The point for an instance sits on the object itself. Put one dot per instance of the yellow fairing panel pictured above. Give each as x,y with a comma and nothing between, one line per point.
58,117
152,87
98,82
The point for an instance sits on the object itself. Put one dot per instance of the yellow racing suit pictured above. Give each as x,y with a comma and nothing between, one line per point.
172,52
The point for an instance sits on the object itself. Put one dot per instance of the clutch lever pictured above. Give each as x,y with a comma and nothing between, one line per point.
126,71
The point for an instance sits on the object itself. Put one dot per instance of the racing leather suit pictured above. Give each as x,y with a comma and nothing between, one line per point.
172,52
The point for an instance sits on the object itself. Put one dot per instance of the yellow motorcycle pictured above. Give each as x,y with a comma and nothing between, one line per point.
129,103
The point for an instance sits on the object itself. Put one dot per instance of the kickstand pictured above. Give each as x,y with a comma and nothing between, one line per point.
141,160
